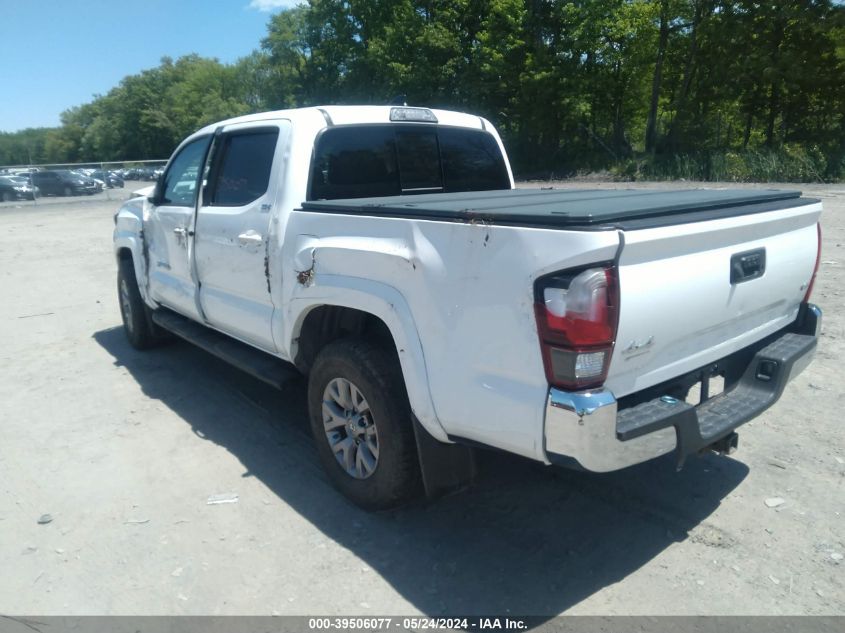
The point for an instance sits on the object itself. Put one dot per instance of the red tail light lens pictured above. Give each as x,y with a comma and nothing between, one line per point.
818,261
576,319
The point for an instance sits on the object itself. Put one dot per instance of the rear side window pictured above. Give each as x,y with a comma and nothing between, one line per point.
360,161
243,173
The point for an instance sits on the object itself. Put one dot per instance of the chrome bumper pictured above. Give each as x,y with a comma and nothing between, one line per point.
585,429
582,427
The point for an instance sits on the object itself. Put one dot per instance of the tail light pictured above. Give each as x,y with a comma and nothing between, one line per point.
816,269
577,314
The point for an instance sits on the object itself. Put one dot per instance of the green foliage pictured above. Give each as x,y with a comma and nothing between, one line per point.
704,89
145,116
790,163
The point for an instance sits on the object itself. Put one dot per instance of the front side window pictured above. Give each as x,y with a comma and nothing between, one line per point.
180,180
360,161
243,174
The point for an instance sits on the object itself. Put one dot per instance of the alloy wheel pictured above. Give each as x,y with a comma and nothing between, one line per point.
350,428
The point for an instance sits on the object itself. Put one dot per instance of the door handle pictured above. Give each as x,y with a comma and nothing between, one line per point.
250,238
182,235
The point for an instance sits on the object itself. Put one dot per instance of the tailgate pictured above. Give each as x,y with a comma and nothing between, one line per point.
680,309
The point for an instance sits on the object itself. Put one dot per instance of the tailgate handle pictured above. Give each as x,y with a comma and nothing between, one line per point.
748,265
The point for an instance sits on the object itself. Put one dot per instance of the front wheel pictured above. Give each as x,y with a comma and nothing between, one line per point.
361,422
68,191
141,332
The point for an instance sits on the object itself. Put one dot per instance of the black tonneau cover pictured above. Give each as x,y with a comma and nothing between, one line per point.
568,207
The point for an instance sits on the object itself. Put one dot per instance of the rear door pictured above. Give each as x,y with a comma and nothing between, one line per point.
233,230
170,227
694,293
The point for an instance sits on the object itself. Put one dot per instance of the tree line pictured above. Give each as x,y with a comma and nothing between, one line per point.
709,89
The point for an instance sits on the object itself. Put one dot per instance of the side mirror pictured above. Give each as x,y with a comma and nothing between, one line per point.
155,198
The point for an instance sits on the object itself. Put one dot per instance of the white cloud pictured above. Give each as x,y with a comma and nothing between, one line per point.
271,5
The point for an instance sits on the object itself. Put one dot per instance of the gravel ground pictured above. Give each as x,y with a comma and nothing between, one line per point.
122,449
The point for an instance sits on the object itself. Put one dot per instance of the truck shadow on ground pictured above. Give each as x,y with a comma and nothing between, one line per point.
527,540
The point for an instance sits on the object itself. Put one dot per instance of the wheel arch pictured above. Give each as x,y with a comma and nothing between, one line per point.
358,307
128,248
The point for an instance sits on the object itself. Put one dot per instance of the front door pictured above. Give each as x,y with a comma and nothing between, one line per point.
233,231
169,232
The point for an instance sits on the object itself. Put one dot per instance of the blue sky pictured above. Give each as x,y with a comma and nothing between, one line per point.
55,54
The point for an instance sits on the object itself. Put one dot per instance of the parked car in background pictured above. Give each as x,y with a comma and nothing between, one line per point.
86,173
144,173
14,188
62,182
26,182
139,173
110,179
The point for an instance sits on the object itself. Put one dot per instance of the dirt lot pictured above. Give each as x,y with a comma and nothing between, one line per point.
122,449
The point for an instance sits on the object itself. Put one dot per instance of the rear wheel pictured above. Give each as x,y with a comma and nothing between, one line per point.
7,197
68,191
361,422
141,332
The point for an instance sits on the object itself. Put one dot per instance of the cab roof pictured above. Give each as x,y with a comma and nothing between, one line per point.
350,115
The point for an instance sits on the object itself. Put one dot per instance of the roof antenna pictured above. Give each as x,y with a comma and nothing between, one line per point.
399,100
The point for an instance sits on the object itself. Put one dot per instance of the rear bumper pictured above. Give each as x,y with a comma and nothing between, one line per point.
588,430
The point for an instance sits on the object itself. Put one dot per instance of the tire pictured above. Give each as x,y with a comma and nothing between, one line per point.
374,372
7,197
137,325
68,191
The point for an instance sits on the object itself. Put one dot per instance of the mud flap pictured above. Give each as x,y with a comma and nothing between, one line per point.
445,468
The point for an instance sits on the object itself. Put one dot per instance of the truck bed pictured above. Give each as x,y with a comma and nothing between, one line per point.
571,208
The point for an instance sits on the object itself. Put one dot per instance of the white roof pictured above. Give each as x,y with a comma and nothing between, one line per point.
348,114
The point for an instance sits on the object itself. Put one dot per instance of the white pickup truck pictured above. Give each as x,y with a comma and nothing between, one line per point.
384,253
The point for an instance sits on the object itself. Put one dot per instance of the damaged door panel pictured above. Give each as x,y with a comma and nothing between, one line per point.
169,229
233,249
